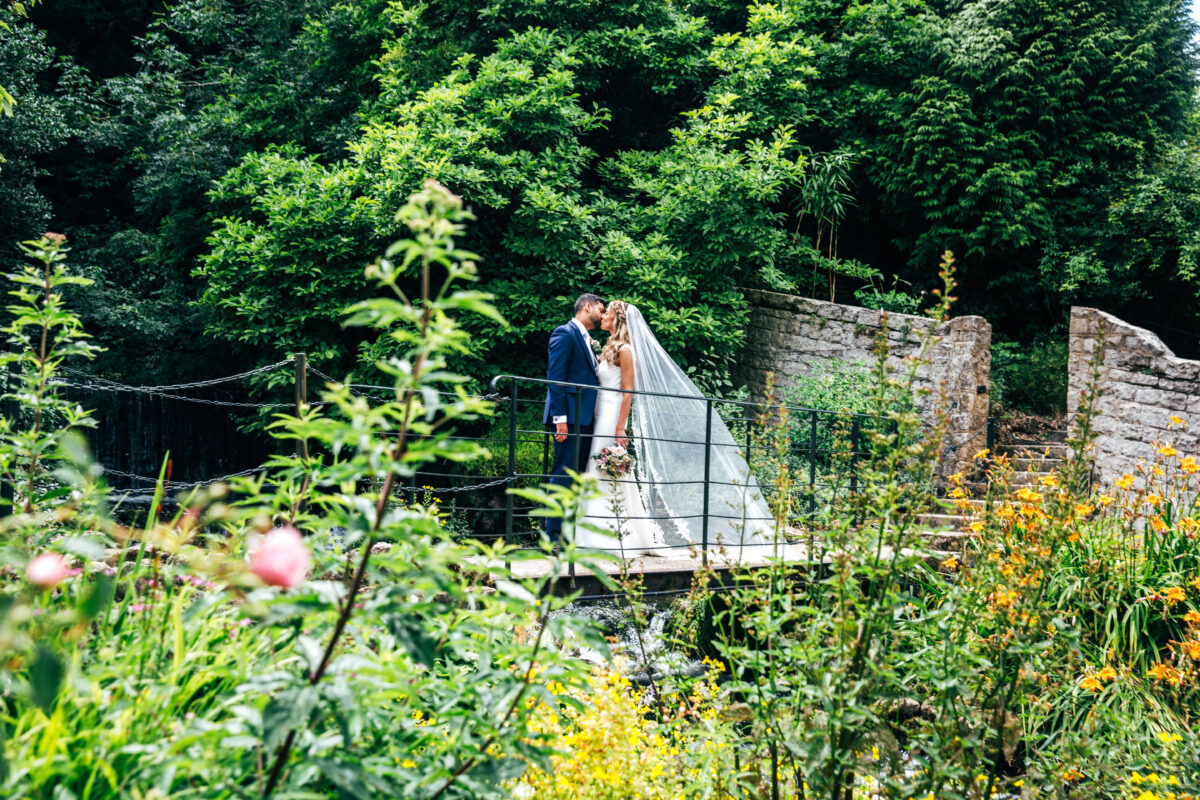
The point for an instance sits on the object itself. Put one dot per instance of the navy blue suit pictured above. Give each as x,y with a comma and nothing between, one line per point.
571,361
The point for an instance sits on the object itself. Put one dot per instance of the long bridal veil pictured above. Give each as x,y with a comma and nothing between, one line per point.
668,430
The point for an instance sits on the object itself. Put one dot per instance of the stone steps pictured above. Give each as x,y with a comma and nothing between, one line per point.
1037,462
1056,450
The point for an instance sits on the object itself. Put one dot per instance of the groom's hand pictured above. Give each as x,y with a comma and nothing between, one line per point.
560,431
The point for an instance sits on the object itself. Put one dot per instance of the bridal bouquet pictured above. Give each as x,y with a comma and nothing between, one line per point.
614,462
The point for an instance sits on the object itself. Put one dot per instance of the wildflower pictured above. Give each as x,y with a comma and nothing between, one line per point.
1195,583
1048,480
1026,495
1072,774
1002,597
1191,649
1083,509
975,527
282,559
1164,673
1192,618
1107,674
1158,525
950,564
47,570
1174,594
982,454
1167,738
1176,422
408,763
1153,500
1091,683
1125,482
1105,500
1189,464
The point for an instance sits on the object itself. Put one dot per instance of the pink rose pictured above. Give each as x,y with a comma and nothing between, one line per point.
281,559
47,570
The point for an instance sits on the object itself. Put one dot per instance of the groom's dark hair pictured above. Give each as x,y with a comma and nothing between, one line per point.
587,299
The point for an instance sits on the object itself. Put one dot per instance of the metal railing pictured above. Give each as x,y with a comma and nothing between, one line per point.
830,447
824,450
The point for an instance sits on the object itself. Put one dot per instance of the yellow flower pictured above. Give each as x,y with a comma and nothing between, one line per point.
1192,618
1175,594
1072,774
1165,673
1167,738
1189,464
408,763
1107,674
1158,525
982,453
1125,482
950,564
1048,480
1195,583
1167,450
1153,500
1176,422
1026,495
1091,683
975,527
1105,500
1191,649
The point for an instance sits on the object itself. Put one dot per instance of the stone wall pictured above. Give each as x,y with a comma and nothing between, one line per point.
792,336
1142,384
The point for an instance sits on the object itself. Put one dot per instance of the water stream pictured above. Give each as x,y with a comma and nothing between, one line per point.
645,658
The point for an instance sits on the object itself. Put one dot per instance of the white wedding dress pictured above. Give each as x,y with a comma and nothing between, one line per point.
626,528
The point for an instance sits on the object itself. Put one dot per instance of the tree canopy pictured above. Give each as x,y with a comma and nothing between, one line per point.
225,170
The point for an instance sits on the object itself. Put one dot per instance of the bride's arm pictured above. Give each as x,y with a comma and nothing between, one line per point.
626,360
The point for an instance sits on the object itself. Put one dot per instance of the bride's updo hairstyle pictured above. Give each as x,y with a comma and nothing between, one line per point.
619,334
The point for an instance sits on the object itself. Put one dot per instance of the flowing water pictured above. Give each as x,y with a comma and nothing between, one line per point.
646,655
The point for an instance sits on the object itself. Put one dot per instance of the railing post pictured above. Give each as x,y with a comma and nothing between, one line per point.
812,464
578,446
11,412
854,467
512,460
991,434
301,372
708,412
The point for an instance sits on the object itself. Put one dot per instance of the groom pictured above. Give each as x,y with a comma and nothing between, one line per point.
569,410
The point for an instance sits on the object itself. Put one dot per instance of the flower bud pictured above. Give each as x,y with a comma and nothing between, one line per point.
282,559
47,570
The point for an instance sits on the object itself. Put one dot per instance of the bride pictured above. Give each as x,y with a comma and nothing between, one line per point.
693,499
618,510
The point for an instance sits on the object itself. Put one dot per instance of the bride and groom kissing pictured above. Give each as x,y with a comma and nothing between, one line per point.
589,409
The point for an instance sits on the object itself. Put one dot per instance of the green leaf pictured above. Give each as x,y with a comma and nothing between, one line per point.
287,710
45,677
98,596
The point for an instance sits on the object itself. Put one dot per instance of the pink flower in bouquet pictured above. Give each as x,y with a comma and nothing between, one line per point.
282,559
47,570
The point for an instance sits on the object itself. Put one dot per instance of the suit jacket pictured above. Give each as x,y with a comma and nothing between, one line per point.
570,361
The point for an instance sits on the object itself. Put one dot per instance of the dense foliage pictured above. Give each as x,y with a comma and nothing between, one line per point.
225,168
372,656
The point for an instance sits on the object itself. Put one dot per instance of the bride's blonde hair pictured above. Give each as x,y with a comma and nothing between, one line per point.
619,335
